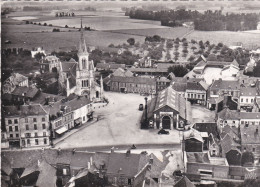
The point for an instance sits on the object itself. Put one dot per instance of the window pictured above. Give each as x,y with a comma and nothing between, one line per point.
16,128
36,142
199,96
9,121
206,172
27,127
28,141
27,135
34,120
241,100
43,119
10,129
247,100
45,141
35,127
64,171
252,100
253,149
242,122
15,121
43,126
44,133
84,118
26,120
36,134
17,135
11,135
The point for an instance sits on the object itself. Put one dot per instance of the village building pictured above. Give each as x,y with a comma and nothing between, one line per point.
50,64
196,91
168,110
37,50
162,83
193,140
131,84
228,117
247,99
27,125
110,66
16,79
79,77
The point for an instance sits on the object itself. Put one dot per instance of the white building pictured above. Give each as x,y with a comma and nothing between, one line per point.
38,50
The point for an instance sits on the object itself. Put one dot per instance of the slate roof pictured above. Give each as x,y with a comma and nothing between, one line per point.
149,70
120,163
195,86
184,182
47,176
25,110
231,131
227,114
25,91
249,115
81,159
102,65
210,128
249,135
68,66
227,143
179,87
41,98
77,102
136,80
248,91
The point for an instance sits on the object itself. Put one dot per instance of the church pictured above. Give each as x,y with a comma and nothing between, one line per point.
79,77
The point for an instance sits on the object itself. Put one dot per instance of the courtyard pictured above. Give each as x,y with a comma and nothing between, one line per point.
118,124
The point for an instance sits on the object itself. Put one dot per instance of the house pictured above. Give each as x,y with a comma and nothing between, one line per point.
162,83
26,125
228,117
126,169
247,99
250,139
193,141
50,64
196,91
120,72
168,110
229,146
203,165
16,79
150,71
37,50
111,66
223,87
24,94
209,127
249,118
180,88
214,148
131,84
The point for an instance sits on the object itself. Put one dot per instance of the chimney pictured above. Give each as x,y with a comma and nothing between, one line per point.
151,159
112,150
128,152
59,151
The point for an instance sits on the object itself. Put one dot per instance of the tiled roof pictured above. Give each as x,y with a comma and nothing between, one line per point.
41,98
25,110
115,66
25,91
47,176
136,80
102,66
80,159
119,72
149,70
197,157
68,66
193,133
225,84
248,91
227,114
231,131
249,135
77,102
195,86
120,163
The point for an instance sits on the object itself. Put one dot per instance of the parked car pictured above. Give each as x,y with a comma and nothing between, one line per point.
162,131
141,107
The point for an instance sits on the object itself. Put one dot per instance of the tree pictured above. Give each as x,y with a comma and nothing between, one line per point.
38,56
178,71
45,24
131,41
27,22
193,48
193,41
66,26
247,157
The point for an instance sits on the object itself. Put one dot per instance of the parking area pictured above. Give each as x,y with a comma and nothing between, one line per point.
118,124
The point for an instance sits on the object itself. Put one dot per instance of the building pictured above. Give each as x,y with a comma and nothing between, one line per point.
168,110
250,138
247,99
193,141
13,81
228,117
126,169
206,167
196,91
50,64
24,94
4,139
79,77
162,83
110,66
131,84
37,50
27,125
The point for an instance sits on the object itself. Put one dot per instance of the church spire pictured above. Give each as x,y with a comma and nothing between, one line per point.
82,43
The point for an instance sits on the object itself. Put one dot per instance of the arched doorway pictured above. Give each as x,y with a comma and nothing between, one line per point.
54,70
166,122
97,94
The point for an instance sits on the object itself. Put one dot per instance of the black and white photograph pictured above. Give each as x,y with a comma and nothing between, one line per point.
130,93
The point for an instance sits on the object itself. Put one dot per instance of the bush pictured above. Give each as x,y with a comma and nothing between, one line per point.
50,25
45,24
27,22
39,24
66,26
56,30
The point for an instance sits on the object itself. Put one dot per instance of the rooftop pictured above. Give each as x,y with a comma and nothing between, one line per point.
227,114
24,110
225,84
25,91
210,128
248,91
250,134
136,80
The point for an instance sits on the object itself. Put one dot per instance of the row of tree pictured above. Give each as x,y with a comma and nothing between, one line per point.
207,21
